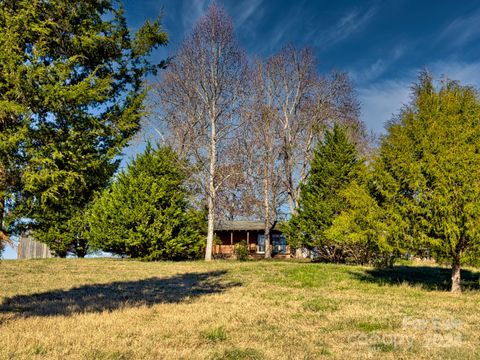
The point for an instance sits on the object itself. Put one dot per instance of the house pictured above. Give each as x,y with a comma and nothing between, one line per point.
231,233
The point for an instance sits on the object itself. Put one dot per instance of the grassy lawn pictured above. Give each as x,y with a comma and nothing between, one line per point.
114,309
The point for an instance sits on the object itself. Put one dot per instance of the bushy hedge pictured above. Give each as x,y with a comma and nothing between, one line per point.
146,213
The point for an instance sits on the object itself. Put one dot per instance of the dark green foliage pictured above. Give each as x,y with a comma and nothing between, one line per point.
343,216
71,92
146,213
334,166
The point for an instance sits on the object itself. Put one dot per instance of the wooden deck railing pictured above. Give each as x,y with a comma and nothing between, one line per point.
229,250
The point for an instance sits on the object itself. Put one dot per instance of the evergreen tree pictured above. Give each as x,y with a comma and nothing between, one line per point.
146,213
431,158
71,92
367,229
334,166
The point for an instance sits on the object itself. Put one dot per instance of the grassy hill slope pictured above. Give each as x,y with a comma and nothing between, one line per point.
118,309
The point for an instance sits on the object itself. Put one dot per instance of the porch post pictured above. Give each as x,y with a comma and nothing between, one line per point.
248,238
231,238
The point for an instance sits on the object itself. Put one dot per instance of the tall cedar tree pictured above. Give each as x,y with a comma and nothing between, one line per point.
432,155
334,166
146,213
71,93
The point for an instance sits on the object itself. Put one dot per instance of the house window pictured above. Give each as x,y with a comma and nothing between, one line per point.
261,244
279,244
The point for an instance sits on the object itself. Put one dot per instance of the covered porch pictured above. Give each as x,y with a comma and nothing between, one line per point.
229,234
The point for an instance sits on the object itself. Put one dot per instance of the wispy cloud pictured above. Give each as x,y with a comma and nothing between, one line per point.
352,22
466,73
280,33
245,10
241,12
376,68
381,100
462,30
192,11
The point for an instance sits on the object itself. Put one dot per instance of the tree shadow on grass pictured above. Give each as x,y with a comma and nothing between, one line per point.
429,278
107,297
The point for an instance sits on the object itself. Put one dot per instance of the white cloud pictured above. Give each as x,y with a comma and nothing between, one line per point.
379,66
381,100
350,23
241,12
277,34
462,30
466,73
192,11
245,11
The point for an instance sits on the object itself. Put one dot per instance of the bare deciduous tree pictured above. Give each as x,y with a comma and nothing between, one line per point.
262,149
289,108
235,199
305,104
200,95
292,84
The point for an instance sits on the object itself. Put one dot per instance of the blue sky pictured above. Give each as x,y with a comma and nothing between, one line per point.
382,44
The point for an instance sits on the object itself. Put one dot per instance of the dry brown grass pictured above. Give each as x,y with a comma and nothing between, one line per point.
113,309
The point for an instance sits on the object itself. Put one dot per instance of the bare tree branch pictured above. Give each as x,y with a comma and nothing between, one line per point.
200,95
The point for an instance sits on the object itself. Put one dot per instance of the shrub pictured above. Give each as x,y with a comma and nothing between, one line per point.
146,213
241,251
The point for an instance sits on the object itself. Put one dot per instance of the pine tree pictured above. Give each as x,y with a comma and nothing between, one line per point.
146,213
431,158
333,167
71,92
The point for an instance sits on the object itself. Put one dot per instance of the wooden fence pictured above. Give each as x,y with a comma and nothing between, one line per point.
28,248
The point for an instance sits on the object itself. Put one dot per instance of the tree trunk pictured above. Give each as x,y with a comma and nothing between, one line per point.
2,213
81,248
268,247
211,192
293,212
266,204
3,232
456,288
209,247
